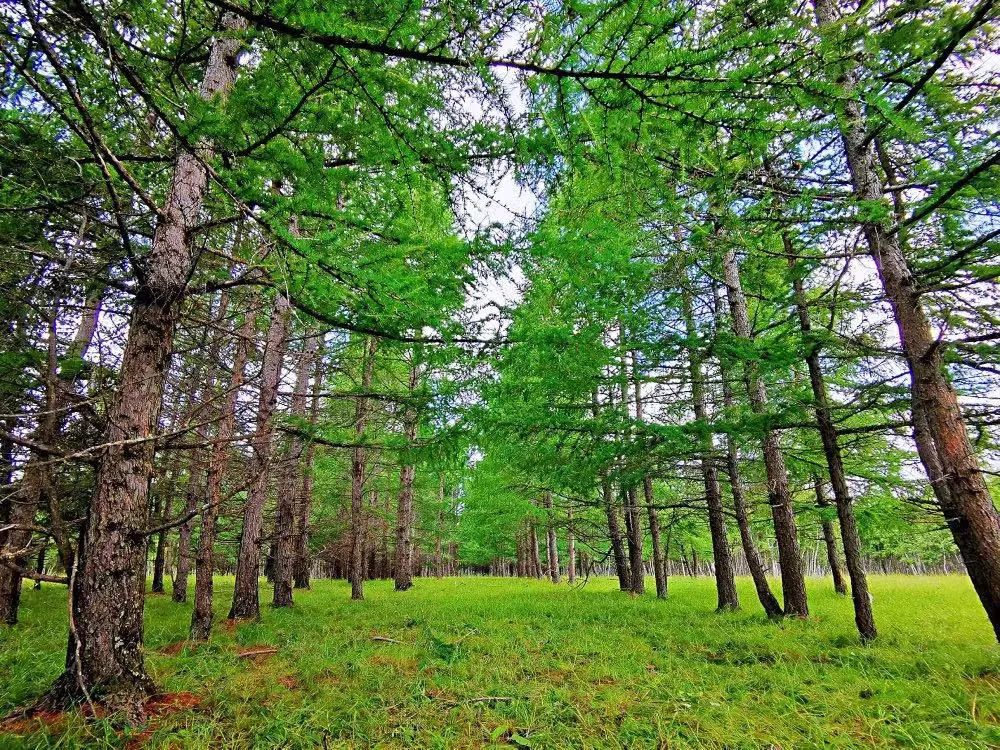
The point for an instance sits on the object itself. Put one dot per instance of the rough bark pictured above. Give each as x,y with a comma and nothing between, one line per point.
196,487
969,511
359,518
864,618
750,551
659,564
536,559
403,562
634,540
290,494
104,654
779,494
830,540
201,617
725,579
246,594
615,536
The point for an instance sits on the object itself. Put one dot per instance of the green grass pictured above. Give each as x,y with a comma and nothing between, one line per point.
575,668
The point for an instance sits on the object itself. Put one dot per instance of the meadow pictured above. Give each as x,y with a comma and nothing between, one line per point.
488,662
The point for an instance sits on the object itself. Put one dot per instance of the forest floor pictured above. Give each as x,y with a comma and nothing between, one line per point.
481,662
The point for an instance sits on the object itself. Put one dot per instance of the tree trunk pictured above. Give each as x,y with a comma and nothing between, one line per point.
290,493
793,583
196,468
302,559
725,580
970,513
659,566
634,539
552,549
830,541
359,518
570,549
864,618
754,562
104,655
246,594
201,617
404,510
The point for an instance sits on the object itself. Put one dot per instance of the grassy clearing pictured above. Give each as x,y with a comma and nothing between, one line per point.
501,663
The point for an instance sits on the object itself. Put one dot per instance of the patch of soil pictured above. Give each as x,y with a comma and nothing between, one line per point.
157,707
174,649
289,682
23,722
170,703
256,653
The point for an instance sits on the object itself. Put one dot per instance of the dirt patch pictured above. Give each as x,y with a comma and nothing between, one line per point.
32,721
256,653
289,682
175,649
170,703
158,707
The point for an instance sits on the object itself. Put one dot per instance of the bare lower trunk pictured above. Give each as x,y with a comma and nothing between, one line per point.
659,565
725,580
404,510
104,654
359,518
246,594
864,618
570,549
793,583
551,547
201,618
195,491
302,560
536,558
286,532
754,562
970,513
830,541
615,535
634,539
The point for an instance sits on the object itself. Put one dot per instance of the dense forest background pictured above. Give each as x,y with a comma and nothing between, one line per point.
384,290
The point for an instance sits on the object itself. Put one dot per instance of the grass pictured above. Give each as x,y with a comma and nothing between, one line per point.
484,662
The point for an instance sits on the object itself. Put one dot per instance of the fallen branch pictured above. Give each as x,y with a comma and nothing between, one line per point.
257,652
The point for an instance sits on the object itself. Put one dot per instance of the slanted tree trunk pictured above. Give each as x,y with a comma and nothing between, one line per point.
725,579
969,510
104,655
830,540
290,494
793,584
37,483
246,594
359,519
864,618
302,559
755,563
404,510
551,547
201,617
